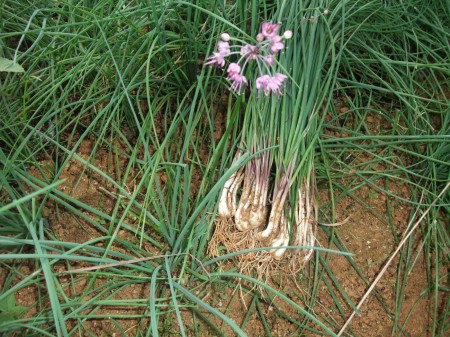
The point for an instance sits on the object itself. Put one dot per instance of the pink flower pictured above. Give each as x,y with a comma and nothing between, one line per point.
239,81
223,48
276,82
216,58
270,84
276,45
269,60
250,51
269,30
279,77
262,83
233,70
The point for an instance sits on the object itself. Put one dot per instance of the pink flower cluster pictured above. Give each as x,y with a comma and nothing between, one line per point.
269,44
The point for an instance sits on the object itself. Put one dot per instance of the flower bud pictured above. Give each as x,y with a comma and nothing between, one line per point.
259,37
225,37
287,34
326,11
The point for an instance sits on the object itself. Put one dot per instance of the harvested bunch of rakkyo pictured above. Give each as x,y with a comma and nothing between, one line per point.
270,201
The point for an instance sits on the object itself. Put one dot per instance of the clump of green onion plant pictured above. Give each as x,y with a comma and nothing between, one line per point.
271,199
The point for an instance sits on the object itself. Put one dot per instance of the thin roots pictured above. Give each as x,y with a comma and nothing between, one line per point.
260,264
